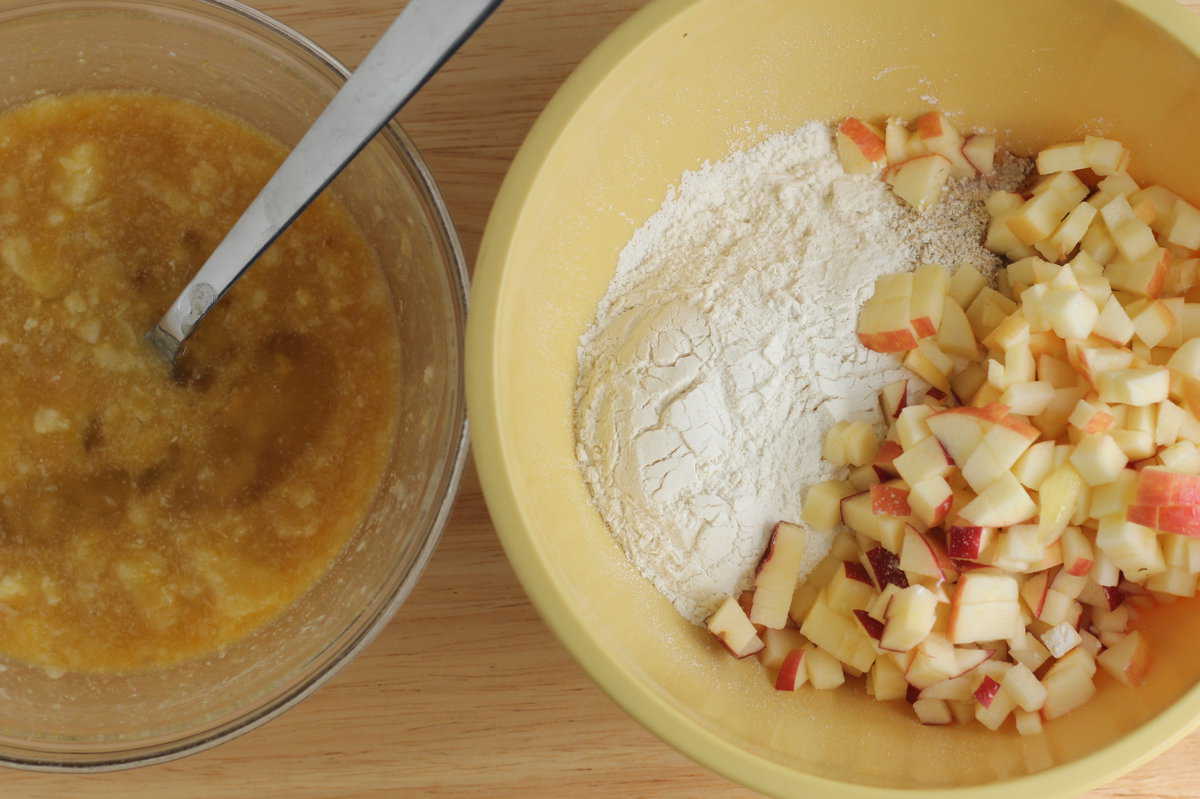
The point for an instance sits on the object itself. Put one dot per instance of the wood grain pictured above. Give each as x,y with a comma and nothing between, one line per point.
467,694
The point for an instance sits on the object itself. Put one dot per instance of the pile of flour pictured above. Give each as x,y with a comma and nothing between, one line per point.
725,347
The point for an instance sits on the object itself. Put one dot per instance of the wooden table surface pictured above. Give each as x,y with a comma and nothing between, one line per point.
467,693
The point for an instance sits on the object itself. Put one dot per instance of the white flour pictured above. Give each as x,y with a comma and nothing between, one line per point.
725,347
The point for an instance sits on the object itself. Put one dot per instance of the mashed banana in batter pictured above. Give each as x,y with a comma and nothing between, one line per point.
148,515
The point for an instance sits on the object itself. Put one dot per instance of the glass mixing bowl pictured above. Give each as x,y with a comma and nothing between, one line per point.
234,59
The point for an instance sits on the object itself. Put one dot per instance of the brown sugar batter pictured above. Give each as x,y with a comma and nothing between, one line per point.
148,516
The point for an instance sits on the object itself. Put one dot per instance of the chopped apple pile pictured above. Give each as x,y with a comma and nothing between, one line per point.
917,162
997,540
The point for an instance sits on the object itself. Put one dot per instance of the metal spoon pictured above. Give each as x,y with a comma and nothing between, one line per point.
425,34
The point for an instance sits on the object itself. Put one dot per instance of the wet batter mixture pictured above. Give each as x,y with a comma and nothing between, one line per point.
149,515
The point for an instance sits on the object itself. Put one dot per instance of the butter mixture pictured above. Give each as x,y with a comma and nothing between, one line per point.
148,515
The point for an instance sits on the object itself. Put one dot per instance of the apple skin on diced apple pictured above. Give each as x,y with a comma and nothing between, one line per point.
885,459
980,151
860,146
884,326
887,569
966,541
777,644
871,626
777,575
1167,501
890,500
941,137
987,691
792,672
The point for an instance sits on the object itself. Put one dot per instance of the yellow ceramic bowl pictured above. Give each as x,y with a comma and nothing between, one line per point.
688,80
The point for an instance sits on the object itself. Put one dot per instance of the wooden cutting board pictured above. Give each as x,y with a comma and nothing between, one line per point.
467,694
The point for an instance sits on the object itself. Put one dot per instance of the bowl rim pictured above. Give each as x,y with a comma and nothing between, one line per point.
652,711
458,442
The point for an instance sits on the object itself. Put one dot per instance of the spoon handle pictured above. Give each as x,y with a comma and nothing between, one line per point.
426,33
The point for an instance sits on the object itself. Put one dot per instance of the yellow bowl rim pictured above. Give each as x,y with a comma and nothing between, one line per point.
652,711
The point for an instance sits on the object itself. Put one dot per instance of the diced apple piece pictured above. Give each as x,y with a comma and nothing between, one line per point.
1066,237
1077,552
930,283
860,479
1141,386
1000,448
776,646
933,712
912,425
849,589
960,430
1028,399
1061,158
925,460
793,672
777,574
985,608
1182,226
942,138
895,140
993,714
1065,184
893,399
980,151
933,662
965,285
859,443
923,556
858,515
840,636
1091,418
1153,323
883,324
930,500
920,364
1173,582
733,627
1024,688
1182,457
1040,215
910,618
1144,277
823,504
1114,323
1128,661
1066,691
1098,459
886,680
890,499
1031,653
954,335
919,181
1018,548
1169,421
1103,156
1034,466
1071,313
1003,503
824,671
860,146
1186,359
1061,639
1131,546
833,449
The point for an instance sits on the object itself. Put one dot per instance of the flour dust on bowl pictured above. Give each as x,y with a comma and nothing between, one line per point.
659,404
175,569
